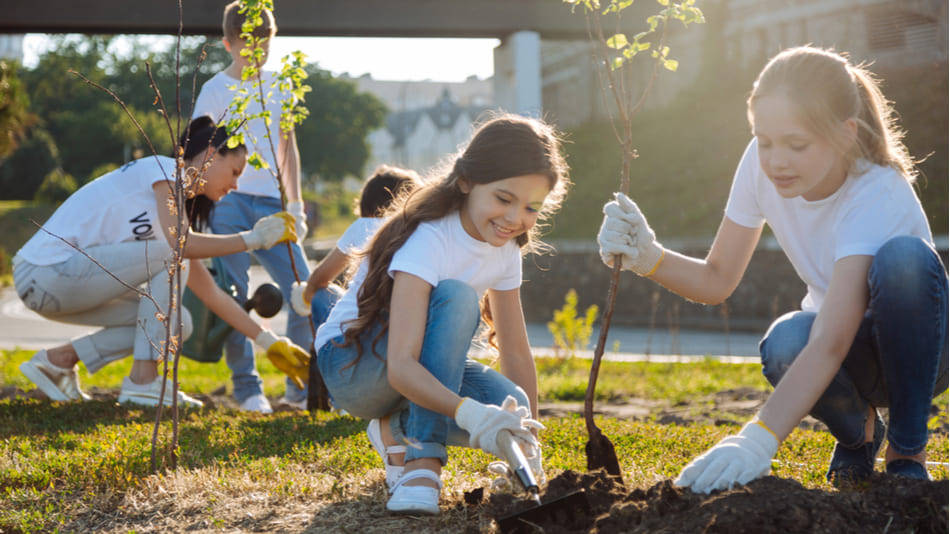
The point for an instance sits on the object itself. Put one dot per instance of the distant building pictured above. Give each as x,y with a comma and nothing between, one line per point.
891,33
11,47
427,120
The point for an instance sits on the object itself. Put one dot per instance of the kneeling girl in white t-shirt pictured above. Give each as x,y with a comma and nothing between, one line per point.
318,294
828,173
123,221
395,347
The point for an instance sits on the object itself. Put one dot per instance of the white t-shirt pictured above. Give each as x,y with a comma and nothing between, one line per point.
357,234
213,100
437,250
870,208
118,206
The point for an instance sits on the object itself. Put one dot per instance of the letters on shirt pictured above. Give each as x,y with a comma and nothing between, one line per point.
142,228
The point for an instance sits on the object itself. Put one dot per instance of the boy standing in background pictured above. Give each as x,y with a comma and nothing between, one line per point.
257,196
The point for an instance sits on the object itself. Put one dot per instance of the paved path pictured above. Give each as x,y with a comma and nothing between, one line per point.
20,327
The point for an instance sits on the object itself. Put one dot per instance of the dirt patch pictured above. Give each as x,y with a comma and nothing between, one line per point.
730,406
767,505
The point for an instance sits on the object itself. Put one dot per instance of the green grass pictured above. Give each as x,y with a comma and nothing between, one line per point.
195,377
17,228
566,380
559,380
74,466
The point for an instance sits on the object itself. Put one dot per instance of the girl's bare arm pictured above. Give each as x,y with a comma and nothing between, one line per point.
202,285
406,330
831,337
198,245
711,280
516,360
325,272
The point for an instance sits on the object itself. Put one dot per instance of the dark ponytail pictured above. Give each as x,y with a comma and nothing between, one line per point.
200,134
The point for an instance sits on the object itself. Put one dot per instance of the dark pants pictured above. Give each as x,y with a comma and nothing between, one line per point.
899,355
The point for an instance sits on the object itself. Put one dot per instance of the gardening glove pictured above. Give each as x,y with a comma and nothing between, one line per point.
292,360
483,421
625,231
735,460
297,300
300,218
270,230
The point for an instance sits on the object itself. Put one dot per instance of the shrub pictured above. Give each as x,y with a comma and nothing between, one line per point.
572,333
56,187
22,173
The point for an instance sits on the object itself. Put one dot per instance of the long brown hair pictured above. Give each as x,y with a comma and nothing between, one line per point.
827,89
503,147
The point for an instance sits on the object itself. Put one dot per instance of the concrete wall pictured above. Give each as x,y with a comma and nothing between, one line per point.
769,288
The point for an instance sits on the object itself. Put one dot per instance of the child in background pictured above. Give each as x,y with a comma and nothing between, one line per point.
395,347
317,294
113,219
257,196
828,172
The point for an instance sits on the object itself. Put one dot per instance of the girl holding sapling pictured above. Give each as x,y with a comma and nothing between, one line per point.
829,174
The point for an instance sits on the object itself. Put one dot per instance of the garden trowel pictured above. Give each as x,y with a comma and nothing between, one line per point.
525,521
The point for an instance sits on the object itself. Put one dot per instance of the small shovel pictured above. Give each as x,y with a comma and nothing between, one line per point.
561,510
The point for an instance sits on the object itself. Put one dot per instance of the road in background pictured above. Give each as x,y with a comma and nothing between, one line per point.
20,327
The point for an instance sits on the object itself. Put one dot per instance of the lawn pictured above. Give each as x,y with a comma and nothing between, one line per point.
85,467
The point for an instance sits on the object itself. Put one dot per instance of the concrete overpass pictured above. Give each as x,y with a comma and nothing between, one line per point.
552,19
520,24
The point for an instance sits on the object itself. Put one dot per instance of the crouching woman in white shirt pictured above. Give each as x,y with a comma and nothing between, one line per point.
828,173
123,220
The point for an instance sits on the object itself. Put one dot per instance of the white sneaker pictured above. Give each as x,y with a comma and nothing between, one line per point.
393,472
149,394
299,405
58,383
257,403
415,499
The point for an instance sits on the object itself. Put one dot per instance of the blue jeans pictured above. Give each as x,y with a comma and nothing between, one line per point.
234,213
899,355
363,389
323,302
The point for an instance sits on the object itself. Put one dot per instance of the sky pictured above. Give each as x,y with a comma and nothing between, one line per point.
445,60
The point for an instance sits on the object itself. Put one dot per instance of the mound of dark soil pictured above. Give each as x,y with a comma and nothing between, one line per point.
767,505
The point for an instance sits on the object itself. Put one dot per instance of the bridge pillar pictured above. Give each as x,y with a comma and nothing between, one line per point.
517,79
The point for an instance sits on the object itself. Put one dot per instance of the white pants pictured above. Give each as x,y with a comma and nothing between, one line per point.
78,291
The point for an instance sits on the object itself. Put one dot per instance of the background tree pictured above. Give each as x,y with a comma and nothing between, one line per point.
333,140
22,172
85,124
14,104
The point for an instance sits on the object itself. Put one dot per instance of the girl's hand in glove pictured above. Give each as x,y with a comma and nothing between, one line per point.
625,232
298,299
735,460
483,421
296,209
269,231
292,360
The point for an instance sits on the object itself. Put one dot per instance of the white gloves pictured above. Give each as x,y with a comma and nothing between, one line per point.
300,218
270,230
625,231
483,421
735,460
297,302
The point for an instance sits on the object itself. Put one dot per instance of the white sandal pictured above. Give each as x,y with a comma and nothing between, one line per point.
393,472
415,499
